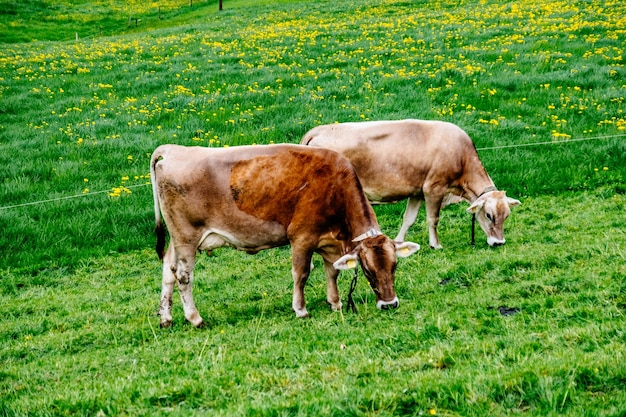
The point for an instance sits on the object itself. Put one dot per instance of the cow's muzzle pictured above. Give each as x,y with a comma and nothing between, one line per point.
386,305
494,242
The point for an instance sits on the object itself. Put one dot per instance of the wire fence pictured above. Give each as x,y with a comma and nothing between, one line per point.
520,145
69,197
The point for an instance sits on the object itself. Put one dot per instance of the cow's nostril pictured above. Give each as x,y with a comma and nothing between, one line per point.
386,305
390,305
493,242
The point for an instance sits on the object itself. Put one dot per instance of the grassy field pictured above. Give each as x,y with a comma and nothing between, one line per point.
536,327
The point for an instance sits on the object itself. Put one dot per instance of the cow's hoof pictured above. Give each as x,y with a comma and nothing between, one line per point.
302,314
166,324
336,306
196,320
200,325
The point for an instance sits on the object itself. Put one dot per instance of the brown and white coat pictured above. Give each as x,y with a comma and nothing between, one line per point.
419,160
258,197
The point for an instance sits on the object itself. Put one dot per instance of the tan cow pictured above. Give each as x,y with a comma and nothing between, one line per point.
258,197
421,160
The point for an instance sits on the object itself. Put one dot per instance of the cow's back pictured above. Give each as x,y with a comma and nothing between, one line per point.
395,158
253,197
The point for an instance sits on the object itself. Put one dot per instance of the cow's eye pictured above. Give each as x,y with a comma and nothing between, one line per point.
489,217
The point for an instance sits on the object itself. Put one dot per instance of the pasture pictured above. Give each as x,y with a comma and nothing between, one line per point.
535,327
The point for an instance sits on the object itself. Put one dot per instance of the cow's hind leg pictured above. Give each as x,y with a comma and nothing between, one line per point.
413,205
167,287
300,270
185,263
433,206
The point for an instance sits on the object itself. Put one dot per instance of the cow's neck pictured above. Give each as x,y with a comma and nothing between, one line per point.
477,182
361,218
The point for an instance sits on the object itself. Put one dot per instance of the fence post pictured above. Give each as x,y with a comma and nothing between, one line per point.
220,4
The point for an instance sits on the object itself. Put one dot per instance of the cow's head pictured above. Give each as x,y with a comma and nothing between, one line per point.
491,210
378,258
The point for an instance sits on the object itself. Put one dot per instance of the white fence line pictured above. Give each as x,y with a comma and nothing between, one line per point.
520,145
32,203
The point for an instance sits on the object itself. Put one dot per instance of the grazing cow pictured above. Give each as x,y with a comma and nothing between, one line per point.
430,161
258,197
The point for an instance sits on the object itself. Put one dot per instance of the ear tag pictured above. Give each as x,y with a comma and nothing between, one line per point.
351,263
404,250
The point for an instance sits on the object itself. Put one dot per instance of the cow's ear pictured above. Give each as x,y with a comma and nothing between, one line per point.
347,261
478,204
404,249
513,202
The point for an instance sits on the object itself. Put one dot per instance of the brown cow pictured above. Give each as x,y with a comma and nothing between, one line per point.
258,197
421,160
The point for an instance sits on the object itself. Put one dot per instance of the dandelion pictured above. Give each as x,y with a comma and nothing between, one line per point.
557,135
117,191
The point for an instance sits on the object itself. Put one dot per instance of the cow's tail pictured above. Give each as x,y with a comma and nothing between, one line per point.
159,228
308,137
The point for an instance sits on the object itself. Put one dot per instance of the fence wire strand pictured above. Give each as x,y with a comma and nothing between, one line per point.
519,145
557,142
69,197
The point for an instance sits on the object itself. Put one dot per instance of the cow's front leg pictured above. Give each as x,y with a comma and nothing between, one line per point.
410,215
332,294
433,206
300,270
185,264
167,287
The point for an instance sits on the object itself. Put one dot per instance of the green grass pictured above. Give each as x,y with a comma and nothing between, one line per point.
80,282
45,20
89,342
